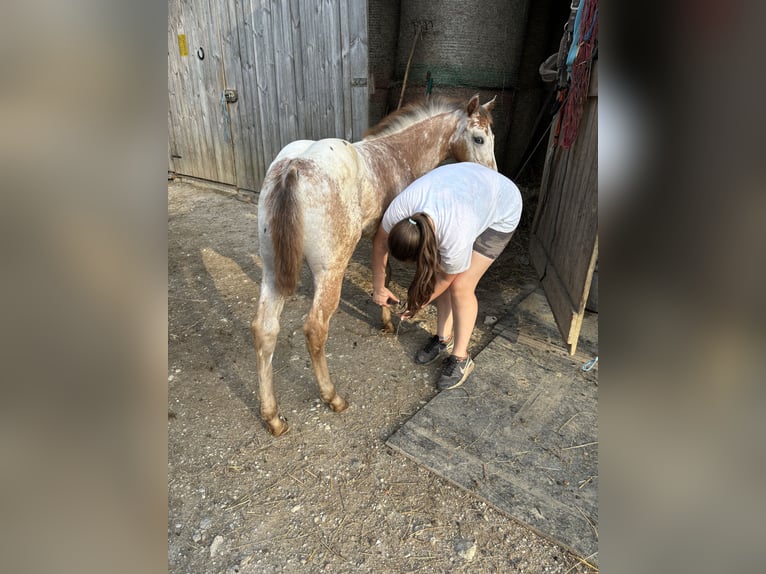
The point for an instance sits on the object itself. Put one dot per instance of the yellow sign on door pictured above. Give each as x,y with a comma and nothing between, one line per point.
182,47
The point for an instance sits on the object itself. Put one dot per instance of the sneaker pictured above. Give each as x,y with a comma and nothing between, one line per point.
454,372
432,350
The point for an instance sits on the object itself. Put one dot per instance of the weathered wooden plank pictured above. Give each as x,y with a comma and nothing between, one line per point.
572,218
192,103
240,112
251,95
292,73
345,38
206,85
563,244
522,433
222,128
332,36
568,312
320,65
580,305
171,144
307,47
300,93
179,99
266,79
173,57
189,147
308,11
563,307
358,68
284,71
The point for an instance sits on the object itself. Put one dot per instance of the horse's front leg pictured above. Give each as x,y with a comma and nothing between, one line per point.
265,329
326,299
385,312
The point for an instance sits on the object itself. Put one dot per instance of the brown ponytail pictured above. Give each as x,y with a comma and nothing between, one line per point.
413,239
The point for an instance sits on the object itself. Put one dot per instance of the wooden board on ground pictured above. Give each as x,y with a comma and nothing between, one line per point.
522,432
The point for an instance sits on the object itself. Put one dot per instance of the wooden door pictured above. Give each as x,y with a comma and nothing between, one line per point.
564,239
298,69
198,120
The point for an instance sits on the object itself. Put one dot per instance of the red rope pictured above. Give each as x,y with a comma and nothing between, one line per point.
580,82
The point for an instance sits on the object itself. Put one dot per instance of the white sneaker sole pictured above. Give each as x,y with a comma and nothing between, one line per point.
466,373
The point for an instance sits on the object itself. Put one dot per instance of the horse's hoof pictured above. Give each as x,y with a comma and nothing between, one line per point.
338,404
278,426
388,328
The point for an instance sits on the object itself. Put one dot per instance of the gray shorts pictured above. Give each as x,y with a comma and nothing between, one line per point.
491,243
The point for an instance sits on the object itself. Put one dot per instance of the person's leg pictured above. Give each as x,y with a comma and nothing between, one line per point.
444,316
487,247
464,305
459,365
441,342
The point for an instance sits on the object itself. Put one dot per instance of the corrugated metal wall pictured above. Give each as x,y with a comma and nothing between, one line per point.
299,68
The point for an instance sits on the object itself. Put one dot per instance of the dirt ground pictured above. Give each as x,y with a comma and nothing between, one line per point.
329,496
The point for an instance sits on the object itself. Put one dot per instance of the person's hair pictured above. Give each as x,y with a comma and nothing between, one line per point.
413,239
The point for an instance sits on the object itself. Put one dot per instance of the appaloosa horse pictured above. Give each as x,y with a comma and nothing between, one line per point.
320,197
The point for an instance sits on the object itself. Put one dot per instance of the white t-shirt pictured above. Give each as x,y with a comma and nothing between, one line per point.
463,200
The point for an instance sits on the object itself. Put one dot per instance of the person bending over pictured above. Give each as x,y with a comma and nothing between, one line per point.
452,223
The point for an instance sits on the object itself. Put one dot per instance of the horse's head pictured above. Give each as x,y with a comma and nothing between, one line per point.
473,140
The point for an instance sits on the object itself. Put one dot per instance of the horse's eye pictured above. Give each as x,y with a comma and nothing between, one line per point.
478,139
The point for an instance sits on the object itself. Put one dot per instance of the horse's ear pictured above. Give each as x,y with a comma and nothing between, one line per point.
490,104
473,104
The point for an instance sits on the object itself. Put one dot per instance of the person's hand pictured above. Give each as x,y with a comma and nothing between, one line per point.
384,297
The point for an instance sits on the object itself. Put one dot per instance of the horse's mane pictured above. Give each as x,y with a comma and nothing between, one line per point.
411,114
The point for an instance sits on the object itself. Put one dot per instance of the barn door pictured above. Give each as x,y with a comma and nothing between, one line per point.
564,241
246,78
198,121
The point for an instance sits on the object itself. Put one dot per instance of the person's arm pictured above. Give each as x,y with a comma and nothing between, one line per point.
380,293
443,281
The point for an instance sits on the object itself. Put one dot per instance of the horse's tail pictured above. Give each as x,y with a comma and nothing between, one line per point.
286,224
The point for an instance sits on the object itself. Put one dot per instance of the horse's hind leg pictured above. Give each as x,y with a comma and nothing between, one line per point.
265,328
326,299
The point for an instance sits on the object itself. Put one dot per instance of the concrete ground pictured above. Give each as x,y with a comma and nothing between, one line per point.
329,495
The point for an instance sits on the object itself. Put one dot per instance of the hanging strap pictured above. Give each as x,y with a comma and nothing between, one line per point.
566,43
